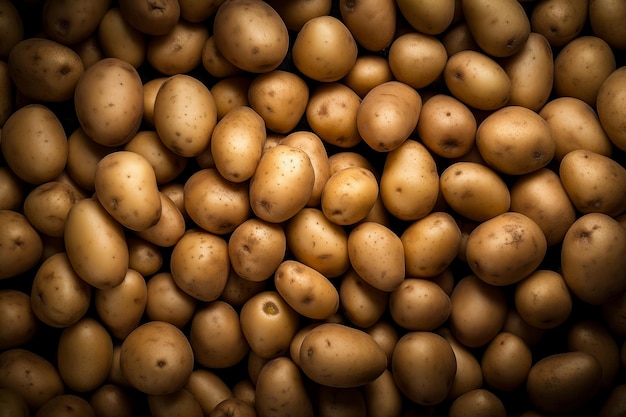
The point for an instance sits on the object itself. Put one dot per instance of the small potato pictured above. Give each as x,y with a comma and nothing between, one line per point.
362,304
31,376
282,183
478,311
581,67
423,365
89,51
126,186
179,51
215,63
12,190
18,322
251,35
143,256
181,402
150,91
515,140
296,13
167,302
339,356
575,125
559,21
47,205
69,22
417,50
34,144
200,265
13,32
151,17
610,106
458,38
121,308
477,80
45,70
446,126
377,255
170,227
185,115
306,290
468,375
317,242
506,361
604,17
119,39
477,402
563,382
268,313
428,16
280,98
594,246
21,246
59,297
419,304
518,326
324,49
409,183
367,72
348,158
388,115
166,164
475,191
84,355
361,16
594,183
331,113
543,299
59,406
208,389
216,336
83,155
349,195
230,93
280,390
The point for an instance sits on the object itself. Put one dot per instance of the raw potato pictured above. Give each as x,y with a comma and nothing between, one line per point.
21,246
506,361
12,403
431,17
230,93
83,154
361,16
296,13
70,22
349,195
152,17
382,396
610,107
166,164
417,50
60,405
468,375
179,51
13,32
18,322
281,392
362,304
47,205
208,389
119,39
419,304
167,302
368,71
478,401
181,402
605,17
559,21
543,299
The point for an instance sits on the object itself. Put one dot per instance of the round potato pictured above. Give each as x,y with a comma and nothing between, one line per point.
179,51
60,404
604,17
143,256
18,322
280,390
151,17
419,304
251,35
506,361
70,22
21,246
349,195
559,21
417,50
230,93
166,164
296,13
119,39
47,205
428,16
367,72
362,304
45,70
610,107
167,302
361,16
478,401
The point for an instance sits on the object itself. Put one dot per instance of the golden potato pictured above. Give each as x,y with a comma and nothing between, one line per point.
559,21
417,50
69,22
151,18
296,13
468,375
179,402
361,303
178,51
367,72
610,107
361,16
167,302
605,17
419,304
428,16
281,390
47,205
230,93
349,195
18,322
478,401
60,404
208,389
382,396
83,155
119,39
506,361
167,165
215,63
143,256
21,246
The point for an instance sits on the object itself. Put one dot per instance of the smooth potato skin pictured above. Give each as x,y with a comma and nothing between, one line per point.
280,390
21,246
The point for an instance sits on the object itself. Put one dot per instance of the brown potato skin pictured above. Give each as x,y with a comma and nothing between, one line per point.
152,17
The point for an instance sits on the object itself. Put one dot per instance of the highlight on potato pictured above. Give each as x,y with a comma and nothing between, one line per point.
333,208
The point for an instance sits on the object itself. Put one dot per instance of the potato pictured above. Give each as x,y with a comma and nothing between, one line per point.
428,17
34,144
66,404
215,63
350,158
604,18
377,255
12,404
165,301
44,70
528,89
198,11
331,113
18,322
89,51
103,262
280,98
515,324
296,13
31,376
268,313
324,49
349,195
507,30
515,140
594,183
214,203
613,314
468,375
446,126
382,396
216,336
475,191
614,404
388,115
281,391
367,72
208,389
199,264
559,21
157,358
432,355
166,164
21,246
581,67
234,406
230,93
83,155
13,31
179,51
419,304
415,49
458,37
478,311
181,402
185,115
260,40
506,361
119,39
343,401
7,93
543,299
306,290
151,17
361,16
69,22
610,107
575,125
170,227
317,242
361,303
143,256
409,193
477,402
47,205
282,183
59,297
563,382
477,80
594,246
121,308
339,356
108,101
150,91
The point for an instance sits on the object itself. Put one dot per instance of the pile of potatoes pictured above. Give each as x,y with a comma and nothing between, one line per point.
324,208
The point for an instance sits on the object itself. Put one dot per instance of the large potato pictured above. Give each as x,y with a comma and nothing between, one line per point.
21,246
